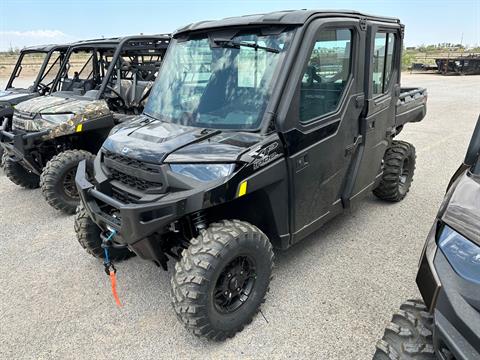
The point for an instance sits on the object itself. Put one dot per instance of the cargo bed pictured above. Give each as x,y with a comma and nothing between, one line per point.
411,105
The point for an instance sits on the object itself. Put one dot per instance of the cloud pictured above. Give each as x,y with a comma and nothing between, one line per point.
20,39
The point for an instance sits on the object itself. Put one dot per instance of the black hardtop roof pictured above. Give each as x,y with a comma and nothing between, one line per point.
45,48
108,42
285,17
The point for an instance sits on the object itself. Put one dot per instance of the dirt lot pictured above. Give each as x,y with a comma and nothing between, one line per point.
331,296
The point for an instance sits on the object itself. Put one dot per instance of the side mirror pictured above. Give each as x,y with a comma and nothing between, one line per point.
19,70
474,146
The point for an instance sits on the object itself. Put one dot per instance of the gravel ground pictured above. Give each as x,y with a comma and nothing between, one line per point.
331,297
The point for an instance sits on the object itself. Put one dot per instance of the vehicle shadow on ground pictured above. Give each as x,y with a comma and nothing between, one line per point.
325,235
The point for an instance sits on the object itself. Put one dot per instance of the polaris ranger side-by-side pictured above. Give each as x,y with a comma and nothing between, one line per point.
101,83
258,131
40,63
446,324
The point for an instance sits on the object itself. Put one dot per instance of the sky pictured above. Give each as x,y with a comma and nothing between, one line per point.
34,22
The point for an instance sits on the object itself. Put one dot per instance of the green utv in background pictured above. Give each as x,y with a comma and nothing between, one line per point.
101,83
446,324
258,130
40,63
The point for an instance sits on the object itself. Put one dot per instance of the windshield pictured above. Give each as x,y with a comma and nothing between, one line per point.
28,69
217,83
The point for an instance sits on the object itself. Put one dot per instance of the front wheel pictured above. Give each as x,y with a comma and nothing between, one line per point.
398,169
58,179
88,236
409,335
222,279
17,174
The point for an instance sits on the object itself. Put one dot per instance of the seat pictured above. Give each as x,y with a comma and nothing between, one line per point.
137,92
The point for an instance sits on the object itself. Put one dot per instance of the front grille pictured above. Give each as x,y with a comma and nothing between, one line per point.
25,115
21,119
135,174
133,181
137,164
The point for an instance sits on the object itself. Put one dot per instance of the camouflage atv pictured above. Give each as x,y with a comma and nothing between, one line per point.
101,83
43,63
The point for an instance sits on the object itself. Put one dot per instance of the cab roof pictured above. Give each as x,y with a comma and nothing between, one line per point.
285,17
45,48
114,41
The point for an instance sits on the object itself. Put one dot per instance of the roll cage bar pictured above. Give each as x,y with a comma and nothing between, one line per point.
118,46
48,50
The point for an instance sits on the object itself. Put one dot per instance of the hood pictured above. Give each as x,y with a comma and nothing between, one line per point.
28,114
157,142
52,104
13,97
460,209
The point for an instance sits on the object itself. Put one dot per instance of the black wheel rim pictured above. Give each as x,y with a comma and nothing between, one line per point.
235,284
69,184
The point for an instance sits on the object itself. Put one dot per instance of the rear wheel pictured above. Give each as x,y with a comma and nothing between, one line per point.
222,279
398,169
409,335
58,179
88,235
18,174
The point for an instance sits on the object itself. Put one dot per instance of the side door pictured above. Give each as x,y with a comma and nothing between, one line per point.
382,80
324,121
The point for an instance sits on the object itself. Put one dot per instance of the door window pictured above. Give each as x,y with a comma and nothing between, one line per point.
382,62
326,75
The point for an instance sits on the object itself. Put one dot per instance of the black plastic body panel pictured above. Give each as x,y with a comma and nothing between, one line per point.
457,313
454,300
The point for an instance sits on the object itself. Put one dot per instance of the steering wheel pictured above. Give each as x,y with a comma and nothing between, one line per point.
119,97
43,88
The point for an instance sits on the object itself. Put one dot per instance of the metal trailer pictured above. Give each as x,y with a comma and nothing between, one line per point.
464,65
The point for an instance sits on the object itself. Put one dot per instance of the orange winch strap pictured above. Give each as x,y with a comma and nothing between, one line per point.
113,280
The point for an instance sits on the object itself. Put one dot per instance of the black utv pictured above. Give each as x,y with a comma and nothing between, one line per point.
446,324
39,64
258,130
101,83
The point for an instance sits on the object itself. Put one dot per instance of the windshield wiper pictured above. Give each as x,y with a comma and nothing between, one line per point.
238,44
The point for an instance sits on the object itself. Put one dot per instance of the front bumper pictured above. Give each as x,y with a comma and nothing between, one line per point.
17,144
138,226
455,303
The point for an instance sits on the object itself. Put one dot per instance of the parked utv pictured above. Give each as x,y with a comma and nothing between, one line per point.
40,63
446,324
101,83
258,130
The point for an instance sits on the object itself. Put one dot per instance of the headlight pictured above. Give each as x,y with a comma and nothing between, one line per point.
462,254
57,119
203,172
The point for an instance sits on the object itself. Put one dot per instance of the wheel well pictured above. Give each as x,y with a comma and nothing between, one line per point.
255,208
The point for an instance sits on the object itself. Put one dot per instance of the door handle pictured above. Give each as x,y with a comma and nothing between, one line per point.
360,101
301,162
350,149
